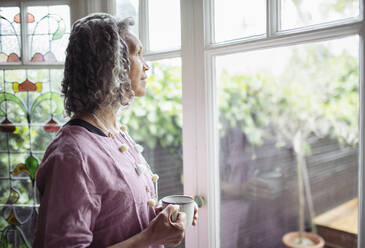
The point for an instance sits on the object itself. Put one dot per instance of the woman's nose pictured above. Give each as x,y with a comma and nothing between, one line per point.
145,66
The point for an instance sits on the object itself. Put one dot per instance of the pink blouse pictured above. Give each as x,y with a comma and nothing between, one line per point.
90,192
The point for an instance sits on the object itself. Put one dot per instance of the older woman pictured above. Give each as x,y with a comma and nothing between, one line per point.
96,189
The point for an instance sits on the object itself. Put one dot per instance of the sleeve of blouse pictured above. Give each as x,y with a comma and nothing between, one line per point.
69,203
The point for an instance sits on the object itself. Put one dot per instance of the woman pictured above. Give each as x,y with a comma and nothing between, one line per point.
96,190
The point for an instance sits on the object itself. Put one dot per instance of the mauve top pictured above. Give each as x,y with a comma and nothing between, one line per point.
90,192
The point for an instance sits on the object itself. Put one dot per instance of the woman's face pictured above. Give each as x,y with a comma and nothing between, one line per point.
138,66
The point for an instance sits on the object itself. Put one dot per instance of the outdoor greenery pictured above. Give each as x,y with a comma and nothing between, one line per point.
156,118
317,95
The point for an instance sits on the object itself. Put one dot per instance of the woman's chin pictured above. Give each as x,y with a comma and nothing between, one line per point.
140,92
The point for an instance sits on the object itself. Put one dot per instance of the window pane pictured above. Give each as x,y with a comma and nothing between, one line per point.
34,94
155,121
48,33
238,19
296,14
10,42
164,29
129,8
277,107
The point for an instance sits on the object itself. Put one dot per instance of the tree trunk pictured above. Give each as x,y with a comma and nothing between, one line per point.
300,195
298,148
308,193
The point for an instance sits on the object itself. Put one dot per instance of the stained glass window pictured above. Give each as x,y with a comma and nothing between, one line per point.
31,109
48,33
10,43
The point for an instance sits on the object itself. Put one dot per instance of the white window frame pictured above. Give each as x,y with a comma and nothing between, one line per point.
198,50
200,146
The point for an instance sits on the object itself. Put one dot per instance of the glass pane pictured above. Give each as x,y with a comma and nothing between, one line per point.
129,8
239,19
9,35
155,121
164,30
48,32
279,109
31,111
296,13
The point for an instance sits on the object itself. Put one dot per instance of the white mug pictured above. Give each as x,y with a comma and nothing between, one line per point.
185,203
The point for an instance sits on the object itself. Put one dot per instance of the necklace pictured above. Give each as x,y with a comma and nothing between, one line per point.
110,133
140,168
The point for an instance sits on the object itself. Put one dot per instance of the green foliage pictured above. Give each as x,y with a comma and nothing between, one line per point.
241,103
156,118
317,94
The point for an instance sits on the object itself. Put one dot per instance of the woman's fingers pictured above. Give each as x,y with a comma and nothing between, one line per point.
195,219
159,207
180,222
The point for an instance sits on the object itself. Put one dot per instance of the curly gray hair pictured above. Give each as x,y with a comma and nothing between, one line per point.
97,64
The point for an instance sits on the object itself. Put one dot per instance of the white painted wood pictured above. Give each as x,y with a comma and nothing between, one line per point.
209,21
361,220
44,2
189,101
212,151
109,6
150,56
144,25
78,9
33,2
272,17
31,66
194,100
284,39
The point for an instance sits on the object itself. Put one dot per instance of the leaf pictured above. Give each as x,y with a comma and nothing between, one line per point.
13,98
32,164
54,97
58,34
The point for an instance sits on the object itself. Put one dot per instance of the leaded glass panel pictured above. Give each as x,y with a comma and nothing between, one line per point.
48,33
31,112
10,34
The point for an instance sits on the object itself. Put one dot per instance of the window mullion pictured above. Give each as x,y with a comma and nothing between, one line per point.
144,24
209,18
257,43
361,183
272,17
23,34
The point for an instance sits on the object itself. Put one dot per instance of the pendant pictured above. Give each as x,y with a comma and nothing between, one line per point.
140,169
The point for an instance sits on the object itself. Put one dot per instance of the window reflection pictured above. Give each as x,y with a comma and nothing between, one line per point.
278,107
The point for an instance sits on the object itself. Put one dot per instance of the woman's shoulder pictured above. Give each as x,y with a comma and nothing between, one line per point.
72,138
69,152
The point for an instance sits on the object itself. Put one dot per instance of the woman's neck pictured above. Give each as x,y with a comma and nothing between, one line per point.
104,118
107,118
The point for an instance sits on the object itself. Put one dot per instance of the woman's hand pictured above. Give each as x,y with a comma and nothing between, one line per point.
159,208
195,219
162,230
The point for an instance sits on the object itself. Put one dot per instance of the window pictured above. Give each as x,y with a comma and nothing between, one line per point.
268,101
239,19
271,98
155,120
295,14
240,95
33,39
